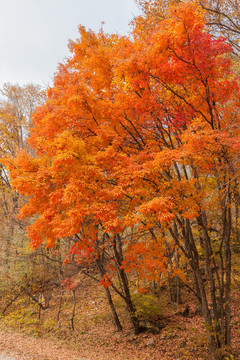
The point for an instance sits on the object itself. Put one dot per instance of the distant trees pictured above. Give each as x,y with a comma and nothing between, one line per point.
135,159
16,107
223,18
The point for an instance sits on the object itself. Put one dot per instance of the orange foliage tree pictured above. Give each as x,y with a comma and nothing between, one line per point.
138,144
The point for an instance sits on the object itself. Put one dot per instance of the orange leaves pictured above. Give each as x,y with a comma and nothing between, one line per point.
147,258
129,140
160,207
70,153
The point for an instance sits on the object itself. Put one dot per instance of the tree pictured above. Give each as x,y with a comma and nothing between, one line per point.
16,108
181,76
223,18
141,134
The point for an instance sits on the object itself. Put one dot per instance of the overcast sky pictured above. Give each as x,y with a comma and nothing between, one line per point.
35,33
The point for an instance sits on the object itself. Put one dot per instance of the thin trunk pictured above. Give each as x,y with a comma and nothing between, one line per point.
209,262
193,257
109,298
227,253
113,309
174,289
237,236
74,309
60,306
212,345
117,247
10,233
130,306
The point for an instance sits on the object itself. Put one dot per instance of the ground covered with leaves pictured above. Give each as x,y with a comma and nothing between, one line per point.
26,336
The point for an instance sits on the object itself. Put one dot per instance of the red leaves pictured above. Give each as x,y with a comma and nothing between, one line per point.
105,281
70,284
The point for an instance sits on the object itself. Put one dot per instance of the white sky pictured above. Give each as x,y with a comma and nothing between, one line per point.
35,33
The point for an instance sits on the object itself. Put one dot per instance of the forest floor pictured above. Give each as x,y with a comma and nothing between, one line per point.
26,334
22,347
181,338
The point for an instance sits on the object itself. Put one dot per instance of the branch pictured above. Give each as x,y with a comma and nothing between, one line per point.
34,298
12,301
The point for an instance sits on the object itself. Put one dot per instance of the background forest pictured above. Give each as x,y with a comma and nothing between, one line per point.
124,178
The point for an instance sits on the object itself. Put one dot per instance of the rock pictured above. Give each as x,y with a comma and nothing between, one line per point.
198,310
150,342
186,311
150,326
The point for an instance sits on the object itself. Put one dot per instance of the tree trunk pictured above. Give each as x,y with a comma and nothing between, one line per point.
174,289
227,253
109,297
117,247
130,306
112,307
215,345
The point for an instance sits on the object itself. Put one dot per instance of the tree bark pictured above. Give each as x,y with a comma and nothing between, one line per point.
117,246
109,297
113,309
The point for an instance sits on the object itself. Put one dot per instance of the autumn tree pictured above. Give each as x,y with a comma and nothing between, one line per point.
16,107
179,82
222,16
137,144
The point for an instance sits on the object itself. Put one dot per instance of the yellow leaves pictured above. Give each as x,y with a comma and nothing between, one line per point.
122,82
